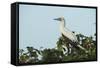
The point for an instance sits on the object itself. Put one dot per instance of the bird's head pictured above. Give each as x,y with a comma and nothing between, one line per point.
59,19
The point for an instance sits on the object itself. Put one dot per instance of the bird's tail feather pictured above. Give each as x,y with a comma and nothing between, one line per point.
82,48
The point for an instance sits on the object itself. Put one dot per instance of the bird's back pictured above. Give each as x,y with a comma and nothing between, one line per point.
69,34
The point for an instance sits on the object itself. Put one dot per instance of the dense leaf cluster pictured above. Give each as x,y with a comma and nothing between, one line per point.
60,53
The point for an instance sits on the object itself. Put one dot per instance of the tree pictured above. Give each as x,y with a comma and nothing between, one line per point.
60,54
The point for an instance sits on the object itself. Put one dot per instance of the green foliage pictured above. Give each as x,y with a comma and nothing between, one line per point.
51,55
59,54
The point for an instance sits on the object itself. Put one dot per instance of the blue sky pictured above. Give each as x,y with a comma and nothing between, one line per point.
37,27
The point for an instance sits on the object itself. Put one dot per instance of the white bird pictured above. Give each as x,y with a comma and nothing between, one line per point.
69,34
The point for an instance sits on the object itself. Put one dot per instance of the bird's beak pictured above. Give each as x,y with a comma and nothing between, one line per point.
58,19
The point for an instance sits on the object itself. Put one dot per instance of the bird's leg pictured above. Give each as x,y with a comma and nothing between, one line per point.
68,48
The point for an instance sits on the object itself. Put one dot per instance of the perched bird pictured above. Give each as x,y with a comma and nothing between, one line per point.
69,35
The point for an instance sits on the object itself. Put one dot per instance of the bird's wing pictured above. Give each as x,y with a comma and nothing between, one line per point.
69,34
73,38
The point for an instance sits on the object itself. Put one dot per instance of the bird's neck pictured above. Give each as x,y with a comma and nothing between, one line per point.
62,26
62,23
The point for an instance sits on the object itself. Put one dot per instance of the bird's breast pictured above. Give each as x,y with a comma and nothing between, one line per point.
68,34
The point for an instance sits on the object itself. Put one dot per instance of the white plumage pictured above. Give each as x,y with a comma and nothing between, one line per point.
67,33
